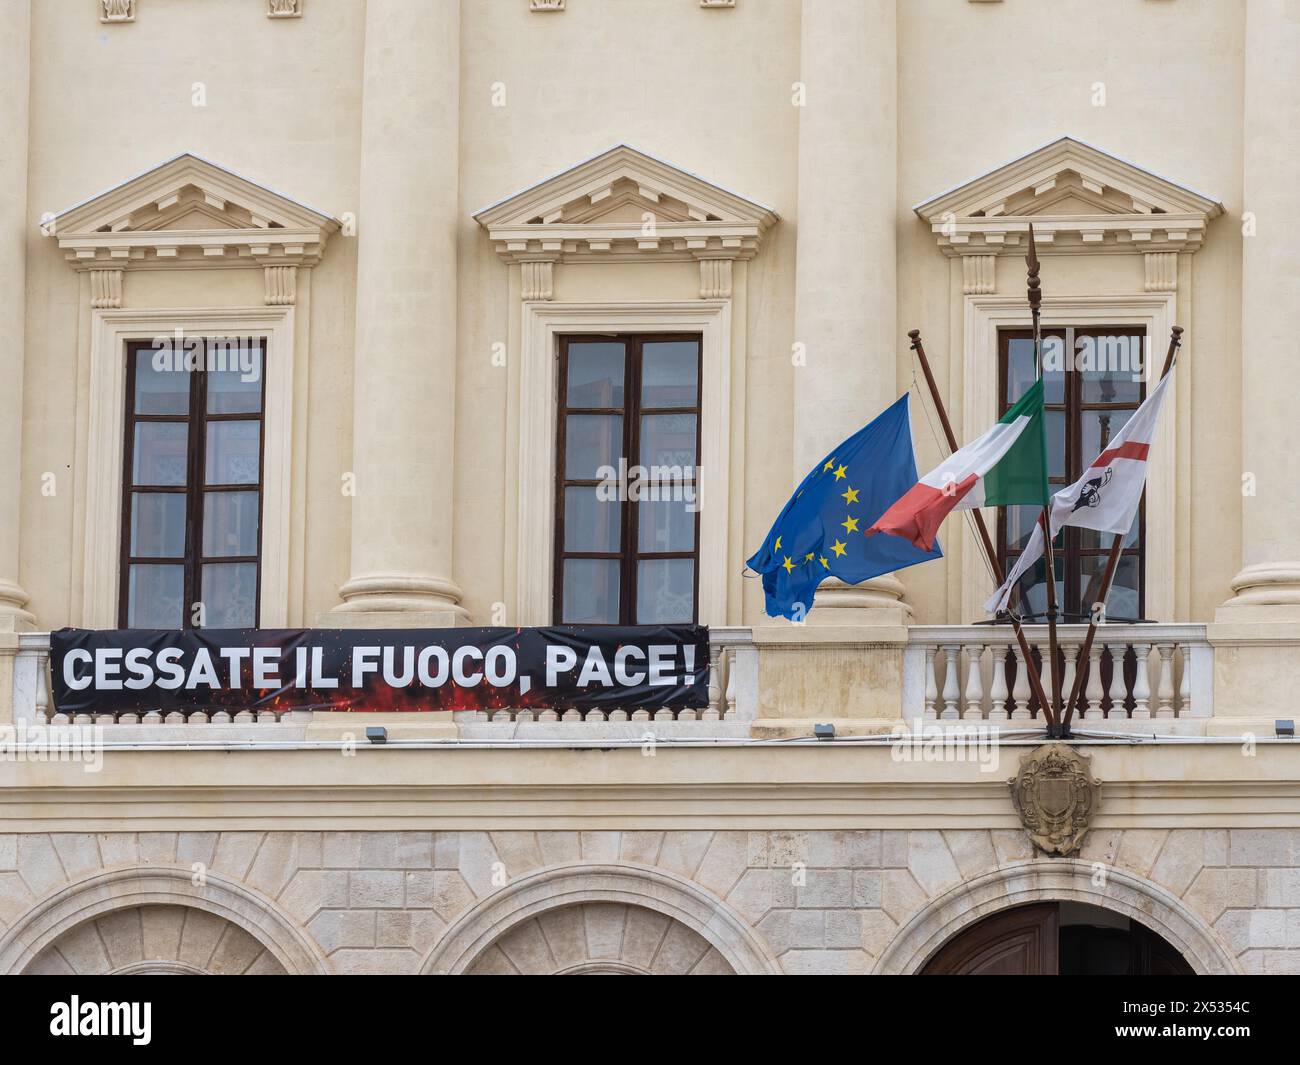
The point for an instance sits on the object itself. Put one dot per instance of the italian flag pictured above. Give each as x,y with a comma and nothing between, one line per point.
1005,466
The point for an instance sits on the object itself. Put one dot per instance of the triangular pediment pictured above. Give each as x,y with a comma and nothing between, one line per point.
625,201
189,207
1076,195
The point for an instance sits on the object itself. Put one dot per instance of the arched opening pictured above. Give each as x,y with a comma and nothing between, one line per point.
1057,880
1057,938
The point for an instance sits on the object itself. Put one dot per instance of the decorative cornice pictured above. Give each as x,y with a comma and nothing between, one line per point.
1162,271
538,279
188,211
284,8
106,287
625,205
116,10
545,5
281,286
1079,199
977,274
715,279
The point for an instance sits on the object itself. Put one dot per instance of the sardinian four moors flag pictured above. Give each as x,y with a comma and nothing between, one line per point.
1005,466
1105,498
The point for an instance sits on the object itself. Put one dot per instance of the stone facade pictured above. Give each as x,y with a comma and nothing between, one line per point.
475,195
668,902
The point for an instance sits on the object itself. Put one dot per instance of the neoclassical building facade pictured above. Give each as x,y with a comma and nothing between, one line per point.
462,253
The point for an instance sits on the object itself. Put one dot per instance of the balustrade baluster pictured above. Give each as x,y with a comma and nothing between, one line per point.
1165,683
1021,688
974,684
931,689
1142,683
998,687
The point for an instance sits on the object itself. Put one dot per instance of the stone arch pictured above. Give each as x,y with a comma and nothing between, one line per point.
156,939
1056,879
141,888
725,941
600,938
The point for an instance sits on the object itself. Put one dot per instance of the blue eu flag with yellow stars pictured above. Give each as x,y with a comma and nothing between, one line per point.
822,531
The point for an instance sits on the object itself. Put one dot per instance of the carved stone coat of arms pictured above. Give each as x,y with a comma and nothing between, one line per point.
1055,795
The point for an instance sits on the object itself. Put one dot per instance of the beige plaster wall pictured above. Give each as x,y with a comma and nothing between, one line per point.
709,91
980,84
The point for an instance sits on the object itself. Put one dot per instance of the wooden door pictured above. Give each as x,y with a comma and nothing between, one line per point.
1018,942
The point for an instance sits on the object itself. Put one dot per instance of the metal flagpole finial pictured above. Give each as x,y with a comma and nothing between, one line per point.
1035,293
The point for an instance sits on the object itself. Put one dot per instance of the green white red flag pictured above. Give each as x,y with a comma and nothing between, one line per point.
1004,467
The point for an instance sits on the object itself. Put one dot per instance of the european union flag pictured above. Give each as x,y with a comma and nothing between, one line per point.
821,532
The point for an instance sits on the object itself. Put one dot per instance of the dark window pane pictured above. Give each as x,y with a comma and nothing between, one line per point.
590,524
234,453
595,374
160,453
590,442
665,590
156,597
1021,371
668,440
590,591
230,595
1110,367
158,524
665,525
160,389
230,523
1122,602
236,389
1054,426
1020,368
1054,368
1020,526
1031,598
670,373
1099,429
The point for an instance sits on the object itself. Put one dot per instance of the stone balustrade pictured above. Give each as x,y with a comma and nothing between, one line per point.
1135,676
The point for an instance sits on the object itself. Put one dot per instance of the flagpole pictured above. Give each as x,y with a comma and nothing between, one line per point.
1112,562
1035,301
1035,681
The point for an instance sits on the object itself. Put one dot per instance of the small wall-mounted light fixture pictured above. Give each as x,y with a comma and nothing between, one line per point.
1284,728
824,732
377,734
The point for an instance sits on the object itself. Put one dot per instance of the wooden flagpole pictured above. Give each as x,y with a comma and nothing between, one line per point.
1112,562
1035,301
1035,681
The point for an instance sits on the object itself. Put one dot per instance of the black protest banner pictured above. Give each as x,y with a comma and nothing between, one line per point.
124,670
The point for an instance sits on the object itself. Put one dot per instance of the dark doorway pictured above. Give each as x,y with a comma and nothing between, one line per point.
1057,939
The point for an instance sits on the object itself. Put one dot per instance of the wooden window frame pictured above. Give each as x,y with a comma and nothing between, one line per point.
629,553
195,490
1071,606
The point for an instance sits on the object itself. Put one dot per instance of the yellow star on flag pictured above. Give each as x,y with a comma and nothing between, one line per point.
788,564
841,472
850,523
838,547
809,556
825,564
829,463
777,545
851,496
